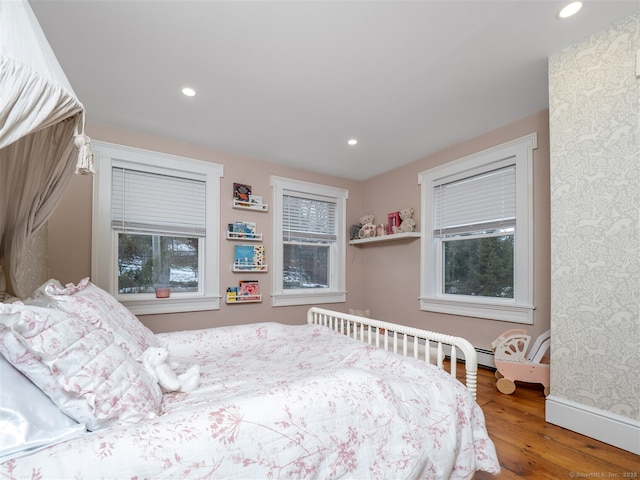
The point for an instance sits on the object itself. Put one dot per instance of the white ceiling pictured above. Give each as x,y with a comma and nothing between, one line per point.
291,81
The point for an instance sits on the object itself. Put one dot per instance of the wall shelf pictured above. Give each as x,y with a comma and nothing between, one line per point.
258,207
386,238
250,268
248,237
235,299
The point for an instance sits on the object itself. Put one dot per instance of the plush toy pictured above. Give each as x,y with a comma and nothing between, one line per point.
156,362
354,230
408,223
367,229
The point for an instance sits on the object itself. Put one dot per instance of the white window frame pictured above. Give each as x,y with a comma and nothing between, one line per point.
336,292
104,243
518,309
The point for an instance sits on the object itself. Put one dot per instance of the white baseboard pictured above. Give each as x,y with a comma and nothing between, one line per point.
607,427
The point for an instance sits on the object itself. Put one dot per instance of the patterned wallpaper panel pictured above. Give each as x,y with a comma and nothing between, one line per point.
594,100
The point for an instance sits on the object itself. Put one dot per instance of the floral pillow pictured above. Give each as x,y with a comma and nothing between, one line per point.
78,365
96,306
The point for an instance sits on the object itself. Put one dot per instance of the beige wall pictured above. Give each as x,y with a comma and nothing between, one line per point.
391,271
70,231
382,277
594,96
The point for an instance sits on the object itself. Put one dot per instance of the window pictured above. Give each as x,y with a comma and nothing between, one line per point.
477,247
156,225
309,243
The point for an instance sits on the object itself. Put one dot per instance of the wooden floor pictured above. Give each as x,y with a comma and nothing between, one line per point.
529,447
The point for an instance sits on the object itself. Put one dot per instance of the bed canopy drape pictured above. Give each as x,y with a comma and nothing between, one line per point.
41,134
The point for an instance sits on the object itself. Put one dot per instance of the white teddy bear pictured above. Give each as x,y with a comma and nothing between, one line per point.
408,224
155,361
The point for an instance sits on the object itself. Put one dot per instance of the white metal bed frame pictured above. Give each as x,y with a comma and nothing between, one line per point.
408,341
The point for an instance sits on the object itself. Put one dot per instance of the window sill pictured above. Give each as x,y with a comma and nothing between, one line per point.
493,311
171,305
284,299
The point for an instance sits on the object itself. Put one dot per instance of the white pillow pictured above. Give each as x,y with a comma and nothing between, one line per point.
78,366
28,418
92,304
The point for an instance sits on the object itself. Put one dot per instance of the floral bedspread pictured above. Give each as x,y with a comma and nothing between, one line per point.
278,402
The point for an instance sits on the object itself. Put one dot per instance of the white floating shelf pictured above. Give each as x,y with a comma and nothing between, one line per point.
235,299
249,237
386,238
250,268
259,207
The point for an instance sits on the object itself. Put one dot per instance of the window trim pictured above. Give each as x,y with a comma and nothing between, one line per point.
104,239
520,308
336,293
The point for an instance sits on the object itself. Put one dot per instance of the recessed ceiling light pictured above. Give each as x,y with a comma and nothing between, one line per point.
571,9
352,141
189,92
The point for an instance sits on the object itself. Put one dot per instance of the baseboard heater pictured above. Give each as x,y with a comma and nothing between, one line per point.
485,357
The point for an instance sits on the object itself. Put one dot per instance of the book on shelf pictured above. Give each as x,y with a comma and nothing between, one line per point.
246,291
241,192
250,288
248,257
243,229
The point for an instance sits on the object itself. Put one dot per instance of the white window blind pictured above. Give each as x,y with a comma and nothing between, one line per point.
308,218
477,203
162,204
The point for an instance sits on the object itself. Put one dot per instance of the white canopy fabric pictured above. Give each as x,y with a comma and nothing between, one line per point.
35,92
39,114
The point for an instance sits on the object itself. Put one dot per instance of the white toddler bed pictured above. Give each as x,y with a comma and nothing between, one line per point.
417,343
274,400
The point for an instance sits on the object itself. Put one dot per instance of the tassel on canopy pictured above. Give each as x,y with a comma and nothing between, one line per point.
85,154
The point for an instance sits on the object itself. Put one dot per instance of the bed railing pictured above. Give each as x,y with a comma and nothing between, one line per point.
408,341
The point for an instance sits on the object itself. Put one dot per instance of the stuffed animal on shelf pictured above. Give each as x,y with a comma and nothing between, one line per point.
354,230
408,224
156,362
367,229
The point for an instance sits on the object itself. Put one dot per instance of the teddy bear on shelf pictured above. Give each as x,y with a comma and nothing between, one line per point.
367,229
156,362
407,224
